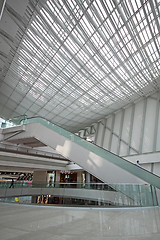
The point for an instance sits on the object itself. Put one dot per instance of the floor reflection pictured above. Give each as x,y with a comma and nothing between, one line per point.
60,223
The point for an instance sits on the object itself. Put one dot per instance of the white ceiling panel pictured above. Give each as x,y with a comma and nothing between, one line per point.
17,96
78,61
6,89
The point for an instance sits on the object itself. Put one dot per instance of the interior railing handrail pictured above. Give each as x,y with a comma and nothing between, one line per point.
25,184
132,192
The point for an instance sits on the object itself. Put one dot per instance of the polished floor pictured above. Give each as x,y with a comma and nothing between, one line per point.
22,222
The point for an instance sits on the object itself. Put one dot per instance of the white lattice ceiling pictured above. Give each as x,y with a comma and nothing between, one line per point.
73,61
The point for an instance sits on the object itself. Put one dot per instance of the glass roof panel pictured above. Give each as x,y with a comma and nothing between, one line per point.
86,56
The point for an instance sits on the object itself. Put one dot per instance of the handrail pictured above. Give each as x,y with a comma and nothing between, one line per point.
134,195
119,161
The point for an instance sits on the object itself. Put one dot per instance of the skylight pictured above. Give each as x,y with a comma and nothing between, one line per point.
90,52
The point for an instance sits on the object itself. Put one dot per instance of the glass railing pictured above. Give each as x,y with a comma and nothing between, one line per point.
12,122
21,184
111,194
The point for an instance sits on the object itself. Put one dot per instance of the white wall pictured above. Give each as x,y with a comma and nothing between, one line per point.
133,131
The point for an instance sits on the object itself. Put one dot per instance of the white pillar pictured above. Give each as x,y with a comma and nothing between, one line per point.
57,176
88,177
40,176
79,177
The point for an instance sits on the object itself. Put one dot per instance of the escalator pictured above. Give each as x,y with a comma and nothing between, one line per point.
101,163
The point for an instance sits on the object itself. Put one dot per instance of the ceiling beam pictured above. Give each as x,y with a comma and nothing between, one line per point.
2,5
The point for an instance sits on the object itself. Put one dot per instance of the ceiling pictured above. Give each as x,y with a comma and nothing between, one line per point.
23,157
75,61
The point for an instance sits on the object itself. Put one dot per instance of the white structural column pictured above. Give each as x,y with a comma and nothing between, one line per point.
156,123
111,135
142,126
103,132
40,176
88,177
79,177
131,129
120,133
100,133
97,132
57,176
